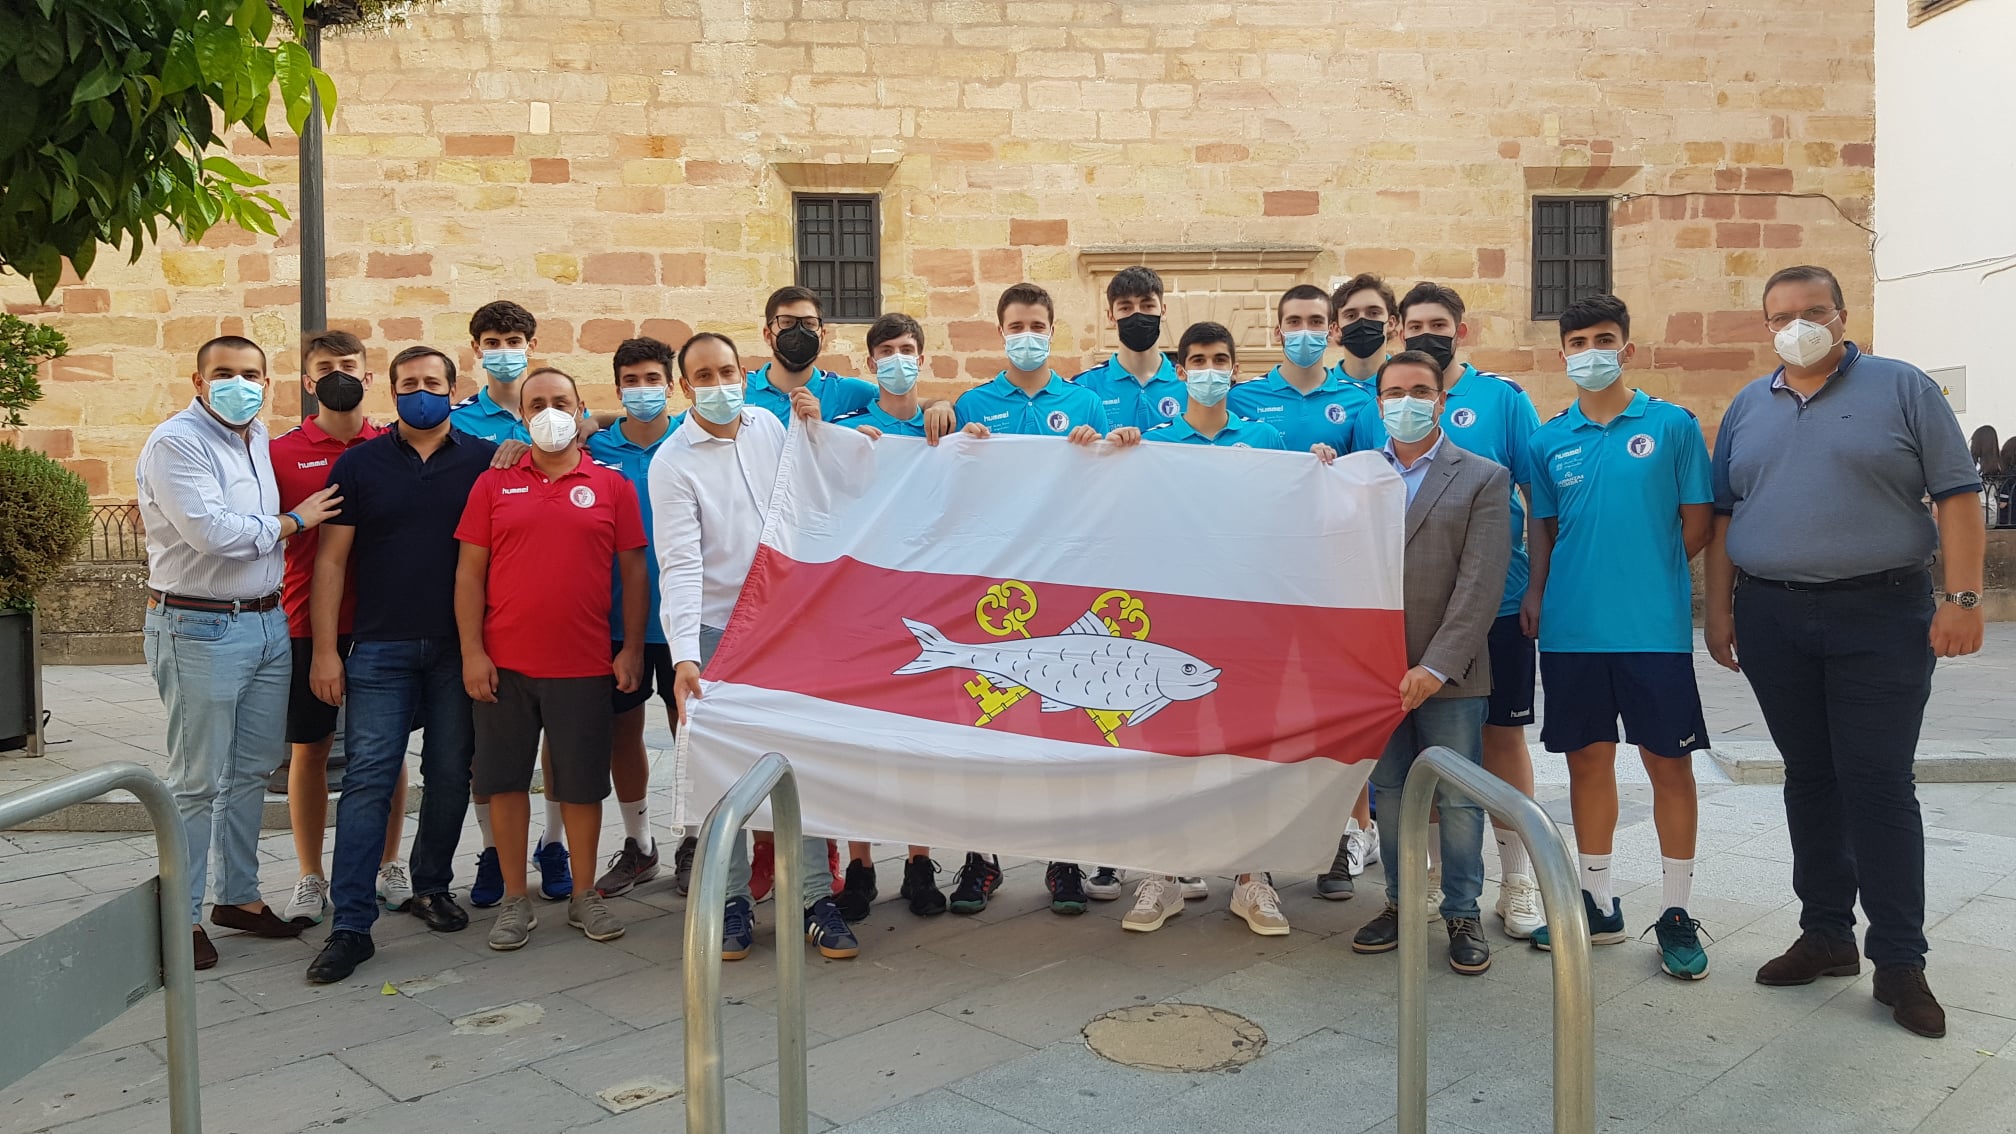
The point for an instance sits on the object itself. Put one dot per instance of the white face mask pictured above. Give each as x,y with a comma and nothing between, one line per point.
1803,343
552,429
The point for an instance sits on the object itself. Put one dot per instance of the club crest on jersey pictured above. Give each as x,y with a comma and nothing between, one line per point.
1057,421
1335,413
1641,445
582,496
1167,407
1463,418
1102,664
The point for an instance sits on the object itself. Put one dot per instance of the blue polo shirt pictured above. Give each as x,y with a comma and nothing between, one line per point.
481,416
405,510
1057,409
1493,418
1129,401
1618,581
873,414
1324,416
1238,433
1369,385
837,396
612,447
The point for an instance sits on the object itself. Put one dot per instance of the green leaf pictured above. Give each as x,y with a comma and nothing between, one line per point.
40,59
225,169
99,83
83,257
292,66
257,20
101,114
296,12
325,92
218,47
45,270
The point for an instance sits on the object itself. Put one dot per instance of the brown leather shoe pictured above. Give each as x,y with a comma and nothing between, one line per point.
265,923
206,953
1910,1000
1809,958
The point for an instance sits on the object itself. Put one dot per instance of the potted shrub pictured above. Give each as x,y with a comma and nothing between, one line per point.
45,512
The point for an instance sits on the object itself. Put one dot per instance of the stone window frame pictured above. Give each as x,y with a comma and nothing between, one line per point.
1236,284
831,300
1569,258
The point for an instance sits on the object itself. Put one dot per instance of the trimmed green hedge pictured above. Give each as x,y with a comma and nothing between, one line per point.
45,513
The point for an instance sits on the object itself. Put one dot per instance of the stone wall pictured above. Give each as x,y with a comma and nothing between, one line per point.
92,614
627,166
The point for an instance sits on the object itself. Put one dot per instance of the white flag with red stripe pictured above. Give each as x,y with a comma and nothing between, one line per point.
1166,658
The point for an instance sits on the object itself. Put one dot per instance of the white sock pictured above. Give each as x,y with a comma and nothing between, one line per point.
1512,857
1676,883
483,825
554,824
637,821
1596,879
1434,844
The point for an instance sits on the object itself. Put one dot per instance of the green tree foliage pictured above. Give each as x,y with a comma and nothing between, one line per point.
109,110
45,513
24,346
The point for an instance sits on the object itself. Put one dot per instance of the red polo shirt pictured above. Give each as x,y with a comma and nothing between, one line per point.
302,458
552,546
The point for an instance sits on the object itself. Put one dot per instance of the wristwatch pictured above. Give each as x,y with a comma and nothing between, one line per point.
1965,600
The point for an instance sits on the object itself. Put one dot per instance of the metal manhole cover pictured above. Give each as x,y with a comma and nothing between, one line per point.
1175,1037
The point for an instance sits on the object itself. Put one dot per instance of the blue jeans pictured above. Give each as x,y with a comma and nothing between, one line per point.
223,678
1452,722
391,688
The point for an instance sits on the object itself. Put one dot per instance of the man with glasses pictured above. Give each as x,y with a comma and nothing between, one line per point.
1819,589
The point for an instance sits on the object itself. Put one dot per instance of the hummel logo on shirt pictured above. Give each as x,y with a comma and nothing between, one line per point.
514,491
1686,740
312,464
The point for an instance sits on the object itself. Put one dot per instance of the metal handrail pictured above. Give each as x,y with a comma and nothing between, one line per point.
178,950
706,1086
1567,931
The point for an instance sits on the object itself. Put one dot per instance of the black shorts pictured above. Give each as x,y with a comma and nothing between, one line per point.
1654,693
574,714
1512,667
310,719
657,677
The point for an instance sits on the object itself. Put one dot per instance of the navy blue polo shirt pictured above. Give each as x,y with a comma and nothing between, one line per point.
403,555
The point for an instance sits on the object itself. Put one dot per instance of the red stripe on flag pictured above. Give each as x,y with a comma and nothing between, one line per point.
1294,683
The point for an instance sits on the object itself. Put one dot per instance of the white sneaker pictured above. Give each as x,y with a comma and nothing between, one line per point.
1104,885
1194,889
1156,900
1519,906
1361,846
1260,906
394,888
1434,895
310,900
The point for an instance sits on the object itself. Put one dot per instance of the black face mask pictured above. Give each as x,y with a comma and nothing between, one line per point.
1139,331
1363,338
797,347
339,391
1441,348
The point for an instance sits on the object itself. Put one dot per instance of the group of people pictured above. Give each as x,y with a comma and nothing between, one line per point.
516,577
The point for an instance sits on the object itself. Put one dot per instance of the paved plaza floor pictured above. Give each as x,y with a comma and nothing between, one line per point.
974,1024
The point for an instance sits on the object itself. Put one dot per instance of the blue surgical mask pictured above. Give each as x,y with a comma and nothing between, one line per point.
1028,350
236,400
644,403
1208,387
1304,348
1595,370
422,409
1408,419
504,364
718,404
896,373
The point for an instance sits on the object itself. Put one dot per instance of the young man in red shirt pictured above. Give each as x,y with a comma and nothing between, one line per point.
540,543
332,371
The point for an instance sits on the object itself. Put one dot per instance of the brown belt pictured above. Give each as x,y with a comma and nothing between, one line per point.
214,606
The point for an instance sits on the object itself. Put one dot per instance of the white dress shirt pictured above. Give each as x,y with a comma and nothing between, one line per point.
211,509
708,499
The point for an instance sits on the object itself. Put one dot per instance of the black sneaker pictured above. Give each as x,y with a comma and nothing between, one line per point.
628,867
1468,953
340,956
856,896
978,880
920,887
682,864
1381,934
1067,888
1104,885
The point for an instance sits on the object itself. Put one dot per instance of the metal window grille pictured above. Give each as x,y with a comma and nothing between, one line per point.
1571,252
116,535
840,255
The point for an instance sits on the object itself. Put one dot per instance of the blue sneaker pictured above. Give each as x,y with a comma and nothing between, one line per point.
488,889
1603,930
1680,952
738,930
827,928
555,880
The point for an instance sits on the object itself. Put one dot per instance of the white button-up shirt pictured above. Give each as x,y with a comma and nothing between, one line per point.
211,509
708,499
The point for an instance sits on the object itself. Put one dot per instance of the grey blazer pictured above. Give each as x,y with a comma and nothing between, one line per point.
1459,544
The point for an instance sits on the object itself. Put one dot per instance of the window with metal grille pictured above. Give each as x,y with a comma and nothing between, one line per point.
1571,252
840,255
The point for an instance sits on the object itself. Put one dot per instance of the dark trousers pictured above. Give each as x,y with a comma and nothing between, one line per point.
1842,677
393,688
